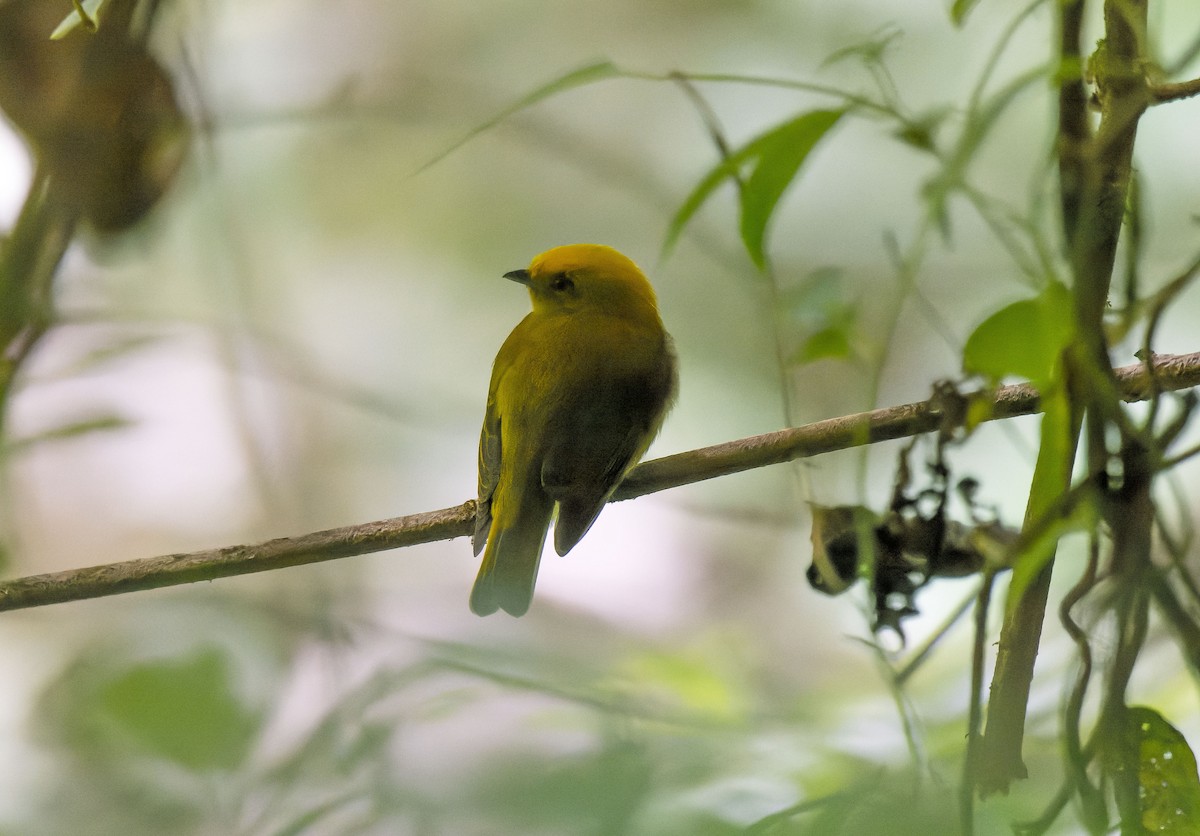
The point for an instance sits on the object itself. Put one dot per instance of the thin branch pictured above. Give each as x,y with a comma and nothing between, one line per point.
174,569
1074,130
1171,372
966,794
1093,811
1174,91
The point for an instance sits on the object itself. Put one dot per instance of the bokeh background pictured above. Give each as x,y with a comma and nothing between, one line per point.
300,336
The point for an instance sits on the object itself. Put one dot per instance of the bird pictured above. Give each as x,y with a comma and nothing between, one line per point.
578,392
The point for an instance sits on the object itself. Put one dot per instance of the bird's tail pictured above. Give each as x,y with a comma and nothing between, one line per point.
510,562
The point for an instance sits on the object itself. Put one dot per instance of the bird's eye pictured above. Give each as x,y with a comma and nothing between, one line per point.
562,284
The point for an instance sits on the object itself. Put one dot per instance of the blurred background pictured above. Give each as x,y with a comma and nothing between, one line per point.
299,335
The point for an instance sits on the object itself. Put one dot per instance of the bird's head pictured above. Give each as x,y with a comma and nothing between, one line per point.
586,277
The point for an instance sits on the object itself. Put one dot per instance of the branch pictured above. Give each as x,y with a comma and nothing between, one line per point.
1074,130
1174,91
1170,373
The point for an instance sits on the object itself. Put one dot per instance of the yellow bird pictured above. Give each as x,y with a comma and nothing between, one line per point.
579,390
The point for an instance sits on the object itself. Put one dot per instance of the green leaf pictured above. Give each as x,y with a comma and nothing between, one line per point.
825,319
73,20
719,174
1025,339
921,132
784,150
690,681
830,343
960,10
1051,479
184,711
776,156
74,429
871,51
1165,766
727,169
600,790
590,74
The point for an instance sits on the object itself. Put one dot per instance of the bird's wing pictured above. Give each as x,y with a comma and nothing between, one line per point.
611,426
580,502
489,469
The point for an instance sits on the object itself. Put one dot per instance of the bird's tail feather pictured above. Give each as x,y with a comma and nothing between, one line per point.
510,564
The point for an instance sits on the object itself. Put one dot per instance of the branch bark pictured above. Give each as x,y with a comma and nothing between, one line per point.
1172,91
1170,373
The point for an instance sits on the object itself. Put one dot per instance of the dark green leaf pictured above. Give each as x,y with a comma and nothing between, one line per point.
184,711
716,176
776,155
831,343
728,168
1169,788
920,133
783,151
960,10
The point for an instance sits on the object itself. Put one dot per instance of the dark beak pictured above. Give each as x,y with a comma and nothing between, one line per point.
520,276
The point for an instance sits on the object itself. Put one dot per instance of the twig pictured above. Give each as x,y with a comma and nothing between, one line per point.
966,793
174,569
1172,372
1174,91
1092,811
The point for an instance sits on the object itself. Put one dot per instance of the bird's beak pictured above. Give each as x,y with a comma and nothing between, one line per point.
519,276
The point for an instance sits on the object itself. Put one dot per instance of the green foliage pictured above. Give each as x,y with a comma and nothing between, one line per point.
74,429
582,725
982,117
825,321
85,14
1157,763
142,740
600,791
181,709
1055,519
960,10
763,168
1025,339
871,52
120,706
689,682
774,166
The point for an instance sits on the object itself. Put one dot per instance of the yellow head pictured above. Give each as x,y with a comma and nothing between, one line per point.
588,277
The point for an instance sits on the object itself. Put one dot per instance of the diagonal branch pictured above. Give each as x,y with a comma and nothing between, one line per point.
1170,373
